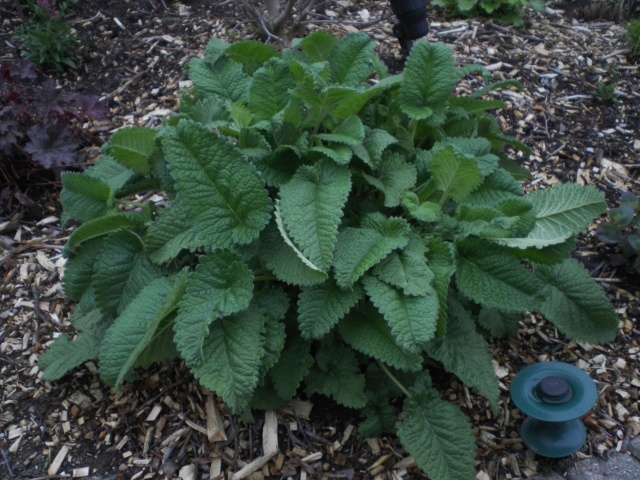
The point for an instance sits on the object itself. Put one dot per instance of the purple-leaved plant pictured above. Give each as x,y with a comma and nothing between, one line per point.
40,124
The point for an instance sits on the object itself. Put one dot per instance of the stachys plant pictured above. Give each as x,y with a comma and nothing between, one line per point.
323,226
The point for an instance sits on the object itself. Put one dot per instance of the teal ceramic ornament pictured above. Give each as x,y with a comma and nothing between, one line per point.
555,396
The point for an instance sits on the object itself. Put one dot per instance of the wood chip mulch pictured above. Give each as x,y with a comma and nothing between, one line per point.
165,425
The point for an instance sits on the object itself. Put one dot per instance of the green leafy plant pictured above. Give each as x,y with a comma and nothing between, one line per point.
623,231
606,90
632,30
328,228
47,38
504,11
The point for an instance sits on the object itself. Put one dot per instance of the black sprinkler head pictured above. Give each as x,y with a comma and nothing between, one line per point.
412,15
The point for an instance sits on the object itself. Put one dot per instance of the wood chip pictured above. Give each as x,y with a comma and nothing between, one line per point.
57,461
253,466
215,427
270,433
153,414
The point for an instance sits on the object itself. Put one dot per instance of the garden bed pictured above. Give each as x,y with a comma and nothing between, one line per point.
133,56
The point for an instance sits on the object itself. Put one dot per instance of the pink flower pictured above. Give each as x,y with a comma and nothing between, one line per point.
48,6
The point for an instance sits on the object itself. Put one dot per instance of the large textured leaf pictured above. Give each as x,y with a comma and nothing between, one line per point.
210,111
221,285
427,212
111,172
340,154
85,197
160,349
367,332
478,147
498,186
429,80
375,143
349,132
321,307
379,416
269,90
223,78
455,174
318,45
292,367
576,304
495,279
221,191
251,54
350,59
548,255
274,304
563,211
326,100
441,262
359,249
78,271
122,270
169,234
282,259
311,204
407,268
274,338
466,354
136,328
354,103
66,354
337,375
133,147
438,436
499,323
412,319
98,227
393,177
232,358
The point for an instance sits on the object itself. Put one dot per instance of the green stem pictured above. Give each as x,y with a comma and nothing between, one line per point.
132,203
395,381
413,126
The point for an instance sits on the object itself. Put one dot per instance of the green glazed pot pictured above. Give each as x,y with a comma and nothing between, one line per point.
555,396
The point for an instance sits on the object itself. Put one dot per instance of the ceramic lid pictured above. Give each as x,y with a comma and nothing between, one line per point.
554,392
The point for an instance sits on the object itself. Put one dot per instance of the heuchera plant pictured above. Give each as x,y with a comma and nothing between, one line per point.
623,231
504,11
328,228
38,122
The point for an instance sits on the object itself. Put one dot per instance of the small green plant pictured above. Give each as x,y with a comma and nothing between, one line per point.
606,90
325,228
623,231
504,11
633,36
47,39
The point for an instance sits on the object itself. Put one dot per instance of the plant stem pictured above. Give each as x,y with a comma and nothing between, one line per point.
395,381
413,126
131,203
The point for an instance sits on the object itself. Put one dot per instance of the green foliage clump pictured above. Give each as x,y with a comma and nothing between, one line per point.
504,11
606,89
328,228
633,36
623,231
47,38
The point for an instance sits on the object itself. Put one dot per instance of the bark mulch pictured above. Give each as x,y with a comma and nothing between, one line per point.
164,425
